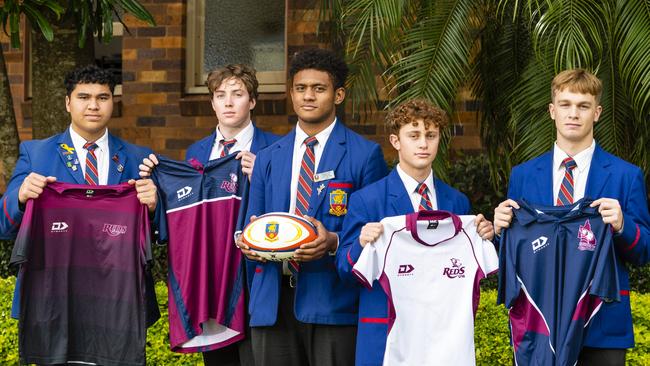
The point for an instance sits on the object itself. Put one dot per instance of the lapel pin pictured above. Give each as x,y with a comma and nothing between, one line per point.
74,168
320,188
120,168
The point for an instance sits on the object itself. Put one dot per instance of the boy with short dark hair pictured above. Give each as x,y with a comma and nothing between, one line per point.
301,312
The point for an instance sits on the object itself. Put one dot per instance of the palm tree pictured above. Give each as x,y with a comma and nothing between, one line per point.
507,51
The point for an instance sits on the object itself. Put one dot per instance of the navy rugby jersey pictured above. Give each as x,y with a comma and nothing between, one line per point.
83,252
557,265
206,271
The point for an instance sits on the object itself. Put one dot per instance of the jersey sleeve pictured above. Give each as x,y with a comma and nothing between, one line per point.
161,210
508,285
487,257
20,252
605,283
371,262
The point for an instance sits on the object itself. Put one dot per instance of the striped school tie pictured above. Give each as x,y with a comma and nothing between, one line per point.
565,195
425,202
227,145
92,175
305,180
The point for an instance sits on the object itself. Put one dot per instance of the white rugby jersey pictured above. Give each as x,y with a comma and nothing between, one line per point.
429,263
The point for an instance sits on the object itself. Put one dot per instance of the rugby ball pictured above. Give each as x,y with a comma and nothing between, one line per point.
276,235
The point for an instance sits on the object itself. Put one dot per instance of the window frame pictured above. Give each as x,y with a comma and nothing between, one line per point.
269,81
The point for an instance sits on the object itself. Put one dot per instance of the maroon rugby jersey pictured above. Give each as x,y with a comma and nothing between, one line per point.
83,252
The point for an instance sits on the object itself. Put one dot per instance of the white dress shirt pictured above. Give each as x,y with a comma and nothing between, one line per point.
299,149
580,172
244,140
101,152
411,186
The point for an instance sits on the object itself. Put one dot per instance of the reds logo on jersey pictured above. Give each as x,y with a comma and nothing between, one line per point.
457,270
114,230
586,237
231,185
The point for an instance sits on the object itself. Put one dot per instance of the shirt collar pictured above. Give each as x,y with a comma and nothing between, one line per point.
79,142
411,184
242,136
582,159
322,136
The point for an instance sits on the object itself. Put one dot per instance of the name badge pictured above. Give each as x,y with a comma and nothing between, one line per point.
319,177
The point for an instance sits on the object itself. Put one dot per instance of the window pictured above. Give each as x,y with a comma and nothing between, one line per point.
251,32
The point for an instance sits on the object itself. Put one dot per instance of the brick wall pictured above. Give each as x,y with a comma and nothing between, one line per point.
154,110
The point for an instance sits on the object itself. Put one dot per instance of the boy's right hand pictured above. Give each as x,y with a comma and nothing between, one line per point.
32,187
503,215
370,232
147,166
245,249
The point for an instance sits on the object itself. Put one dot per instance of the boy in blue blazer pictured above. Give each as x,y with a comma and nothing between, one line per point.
233,95
617,186
414,128
301,312
63,157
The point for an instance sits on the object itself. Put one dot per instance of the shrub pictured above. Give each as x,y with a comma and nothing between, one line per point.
491,332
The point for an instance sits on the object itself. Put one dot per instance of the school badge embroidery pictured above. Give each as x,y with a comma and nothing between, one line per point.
586,237
271,231
338,202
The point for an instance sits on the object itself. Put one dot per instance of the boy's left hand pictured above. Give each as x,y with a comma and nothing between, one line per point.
611,212
324,243
484,227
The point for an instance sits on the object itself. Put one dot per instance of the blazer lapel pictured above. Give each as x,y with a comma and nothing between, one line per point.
206,148
598,173
282,158
443,199
543,180
117,161
335,150
69,157
258,136
398,196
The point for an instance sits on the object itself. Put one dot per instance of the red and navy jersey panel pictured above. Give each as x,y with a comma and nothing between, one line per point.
83,252
557,266
206,274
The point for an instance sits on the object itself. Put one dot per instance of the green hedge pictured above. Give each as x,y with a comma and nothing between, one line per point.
492,342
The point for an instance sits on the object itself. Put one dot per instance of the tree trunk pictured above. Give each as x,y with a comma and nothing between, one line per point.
51,61
8,131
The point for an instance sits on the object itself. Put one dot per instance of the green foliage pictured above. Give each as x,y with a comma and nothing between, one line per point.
5,255
91,17
470,174
491,333
8,326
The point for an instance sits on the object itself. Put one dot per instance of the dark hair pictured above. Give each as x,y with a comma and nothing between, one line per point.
321,60
89,74
245,74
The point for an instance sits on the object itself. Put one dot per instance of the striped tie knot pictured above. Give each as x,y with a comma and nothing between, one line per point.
565,195
425,202
227,145
310,141
569,163
91,175
90,146
422,189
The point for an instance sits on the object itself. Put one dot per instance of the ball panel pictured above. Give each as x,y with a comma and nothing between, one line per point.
275,236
